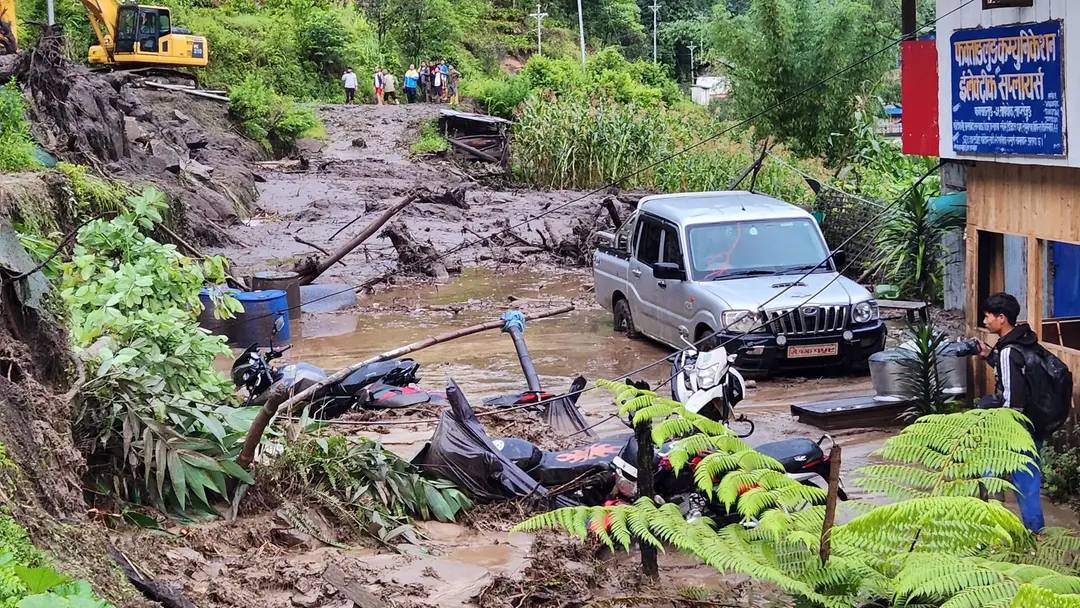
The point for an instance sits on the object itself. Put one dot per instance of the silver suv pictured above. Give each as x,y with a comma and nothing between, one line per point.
725,264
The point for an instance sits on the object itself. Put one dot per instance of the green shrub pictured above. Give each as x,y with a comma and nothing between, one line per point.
271,119
1061,468
27,580
367,484
497,96
154,409
430,140
16,144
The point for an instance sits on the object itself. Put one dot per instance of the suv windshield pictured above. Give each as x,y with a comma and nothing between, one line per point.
755,247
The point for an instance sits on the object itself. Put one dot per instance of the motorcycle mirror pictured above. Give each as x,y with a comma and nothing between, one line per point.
684,335
279,324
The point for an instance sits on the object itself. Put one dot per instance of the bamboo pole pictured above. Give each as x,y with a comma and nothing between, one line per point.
277,401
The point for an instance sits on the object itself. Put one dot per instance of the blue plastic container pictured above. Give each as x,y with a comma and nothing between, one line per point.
256,324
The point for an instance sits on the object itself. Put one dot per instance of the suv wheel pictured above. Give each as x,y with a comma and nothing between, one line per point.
624,320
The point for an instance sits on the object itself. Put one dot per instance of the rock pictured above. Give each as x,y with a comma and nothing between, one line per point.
306,600
184,118
132,131
198,169
167,155
309,147
195,140
359,142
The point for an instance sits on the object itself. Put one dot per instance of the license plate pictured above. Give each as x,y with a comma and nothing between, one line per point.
813,350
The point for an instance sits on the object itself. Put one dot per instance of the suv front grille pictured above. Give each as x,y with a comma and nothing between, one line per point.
807,320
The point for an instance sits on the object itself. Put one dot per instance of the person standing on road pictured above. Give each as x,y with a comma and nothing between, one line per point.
436,84
425,82
452,82
1014,389
378,82
348,80
411,80
444,69
390,88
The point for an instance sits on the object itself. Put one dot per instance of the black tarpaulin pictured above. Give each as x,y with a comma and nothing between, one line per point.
461,451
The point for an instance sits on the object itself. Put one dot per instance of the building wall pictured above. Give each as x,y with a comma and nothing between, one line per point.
1026,205
972,15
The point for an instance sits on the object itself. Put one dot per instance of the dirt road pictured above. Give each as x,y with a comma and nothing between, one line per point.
346,180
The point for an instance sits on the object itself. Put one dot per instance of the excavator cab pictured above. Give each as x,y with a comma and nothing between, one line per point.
145,36
8,44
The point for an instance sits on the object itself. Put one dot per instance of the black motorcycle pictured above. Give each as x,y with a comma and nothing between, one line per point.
380,385
606,469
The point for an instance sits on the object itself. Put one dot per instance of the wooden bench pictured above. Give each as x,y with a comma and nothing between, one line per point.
911,308
850,412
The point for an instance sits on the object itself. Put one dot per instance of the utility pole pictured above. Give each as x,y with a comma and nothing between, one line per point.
539,17
692,47
655,9
581,30
908,20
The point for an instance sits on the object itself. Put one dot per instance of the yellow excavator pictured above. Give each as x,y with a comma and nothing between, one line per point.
129,36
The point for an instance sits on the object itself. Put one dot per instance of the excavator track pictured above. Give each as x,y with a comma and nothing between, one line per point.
152,72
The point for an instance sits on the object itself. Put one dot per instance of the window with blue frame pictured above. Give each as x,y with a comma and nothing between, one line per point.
1061,293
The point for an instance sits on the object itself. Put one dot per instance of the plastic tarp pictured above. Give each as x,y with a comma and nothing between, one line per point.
562,413
461,451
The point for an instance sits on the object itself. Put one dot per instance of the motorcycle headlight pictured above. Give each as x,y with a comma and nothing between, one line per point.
708,377
865,312
741,321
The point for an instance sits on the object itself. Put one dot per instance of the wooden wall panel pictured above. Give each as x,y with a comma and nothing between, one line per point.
1029,200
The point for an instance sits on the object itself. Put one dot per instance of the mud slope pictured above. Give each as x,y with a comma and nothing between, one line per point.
183,145
344,181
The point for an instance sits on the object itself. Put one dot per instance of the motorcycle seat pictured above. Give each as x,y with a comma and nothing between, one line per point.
558,468
794,454
522,453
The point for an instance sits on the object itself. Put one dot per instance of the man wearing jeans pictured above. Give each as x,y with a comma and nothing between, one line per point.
1012,390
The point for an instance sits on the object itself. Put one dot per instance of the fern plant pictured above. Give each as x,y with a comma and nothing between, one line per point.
938,546
952,455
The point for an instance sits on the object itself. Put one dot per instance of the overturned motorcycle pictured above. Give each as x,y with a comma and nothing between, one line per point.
603,471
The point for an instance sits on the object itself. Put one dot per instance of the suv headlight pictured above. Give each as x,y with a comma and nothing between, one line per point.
865,312
741,321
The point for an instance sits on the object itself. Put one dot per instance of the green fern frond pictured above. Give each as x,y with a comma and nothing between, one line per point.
1055,548
954,525
1031,596
620,530
639,519
952,455
686,448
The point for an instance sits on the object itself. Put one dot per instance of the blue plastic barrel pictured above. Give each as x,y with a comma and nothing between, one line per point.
256,324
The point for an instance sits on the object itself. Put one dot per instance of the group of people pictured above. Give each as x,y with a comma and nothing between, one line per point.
432,83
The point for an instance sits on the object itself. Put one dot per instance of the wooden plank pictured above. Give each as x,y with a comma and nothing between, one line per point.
351,589
851,412
1025,200
180,89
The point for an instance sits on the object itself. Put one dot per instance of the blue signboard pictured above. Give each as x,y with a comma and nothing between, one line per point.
1007,90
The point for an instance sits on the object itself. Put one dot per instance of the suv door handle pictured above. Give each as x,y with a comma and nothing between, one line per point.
661,284
636,272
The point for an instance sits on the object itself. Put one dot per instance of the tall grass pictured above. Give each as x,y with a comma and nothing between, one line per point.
16,145
574,142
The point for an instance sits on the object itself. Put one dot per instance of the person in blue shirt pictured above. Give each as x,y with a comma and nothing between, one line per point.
411,81
444,68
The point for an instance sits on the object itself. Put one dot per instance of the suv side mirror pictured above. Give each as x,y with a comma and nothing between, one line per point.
668,271
839,258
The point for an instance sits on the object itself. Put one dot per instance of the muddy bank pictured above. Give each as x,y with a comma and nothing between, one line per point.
112,123
344,181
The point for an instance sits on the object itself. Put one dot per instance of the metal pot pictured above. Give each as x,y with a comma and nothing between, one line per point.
887,372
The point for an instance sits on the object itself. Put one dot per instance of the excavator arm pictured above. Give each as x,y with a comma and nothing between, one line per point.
128,36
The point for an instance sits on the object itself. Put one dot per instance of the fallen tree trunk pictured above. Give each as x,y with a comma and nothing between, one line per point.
275,402
309,270
413,253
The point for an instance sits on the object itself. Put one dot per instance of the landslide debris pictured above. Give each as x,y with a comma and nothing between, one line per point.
182,144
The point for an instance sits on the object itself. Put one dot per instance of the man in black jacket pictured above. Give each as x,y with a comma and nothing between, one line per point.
1013,389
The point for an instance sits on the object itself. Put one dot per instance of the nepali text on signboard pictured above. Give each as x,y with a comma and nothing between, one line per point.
1007,94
